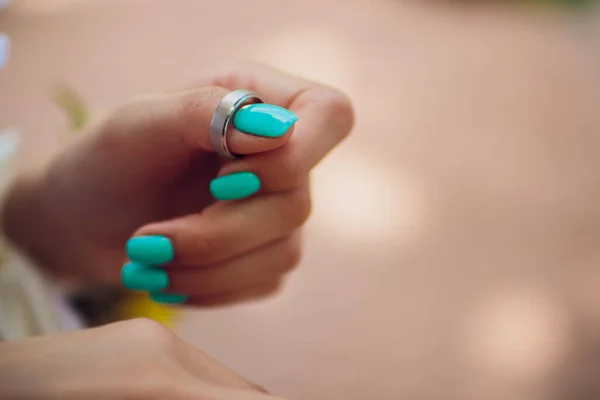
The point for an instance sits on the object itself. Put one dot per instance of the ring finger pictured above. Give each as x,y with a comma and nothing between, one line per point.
250,272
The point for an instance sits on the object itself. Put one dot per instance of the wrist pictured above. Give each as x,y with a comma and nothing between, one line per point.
12,384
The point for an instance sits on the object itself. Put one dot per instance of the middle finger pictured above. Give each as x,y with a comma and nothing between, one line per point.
224,230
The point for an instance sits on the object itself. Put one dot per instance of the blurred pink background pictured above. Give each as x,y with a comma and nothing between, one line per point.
453,251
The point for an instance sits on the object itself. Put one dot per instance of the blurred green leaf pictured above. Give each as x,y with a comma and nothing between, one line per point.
71,102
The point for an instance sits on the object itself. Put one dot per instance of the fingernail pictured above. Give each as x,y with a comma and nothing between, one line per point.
143,277
4,49
264,120
168,298
235,186
151,250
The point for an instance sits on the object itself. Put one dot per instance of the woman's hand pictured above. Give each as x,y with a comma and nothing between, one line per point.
136,359
145,172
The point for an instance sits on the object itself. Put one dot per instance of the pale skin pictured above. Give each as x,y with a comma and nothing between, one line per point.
145,170
135,359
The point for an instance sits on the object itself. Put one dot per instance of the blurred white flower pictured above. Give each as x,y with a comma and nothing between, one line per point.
4,3
10,143
4,49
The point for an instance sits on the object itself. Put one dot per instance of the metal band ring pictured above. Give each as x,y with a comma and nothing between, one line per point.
223,115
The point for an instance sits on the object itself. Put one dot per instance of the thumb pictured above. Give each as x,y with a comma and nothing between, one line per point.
186,117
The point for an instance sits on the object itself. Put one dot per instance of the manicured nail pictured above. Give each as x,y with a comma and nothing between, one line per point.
168,298
143,277
4,49
235,186
264,120
150,250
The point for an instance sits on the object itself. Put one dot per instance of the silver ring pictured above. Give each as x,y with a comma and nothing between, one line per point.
223,115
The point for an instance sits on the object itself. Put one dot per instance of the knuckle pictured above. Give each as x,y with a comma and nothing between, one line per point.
204,249
262,291
195,101
270,290
193,245
231,75
292,171
298,208
128,106
339,108
111,130
292,254
226,74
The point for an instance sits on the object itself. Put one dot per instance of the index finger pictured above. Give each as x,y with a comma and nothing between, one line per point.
325,119
185,117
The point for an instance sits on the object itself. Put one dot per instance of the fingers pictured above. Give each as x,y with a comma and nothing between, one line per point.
228,229
325,119
184,118
257,269
276,86
253,274
241,244
231,247
324,122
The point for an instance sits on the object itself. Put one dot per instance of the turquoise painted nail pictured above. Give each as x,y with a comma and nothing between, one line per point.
264,120
235,186
151,250
168,298
143,277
